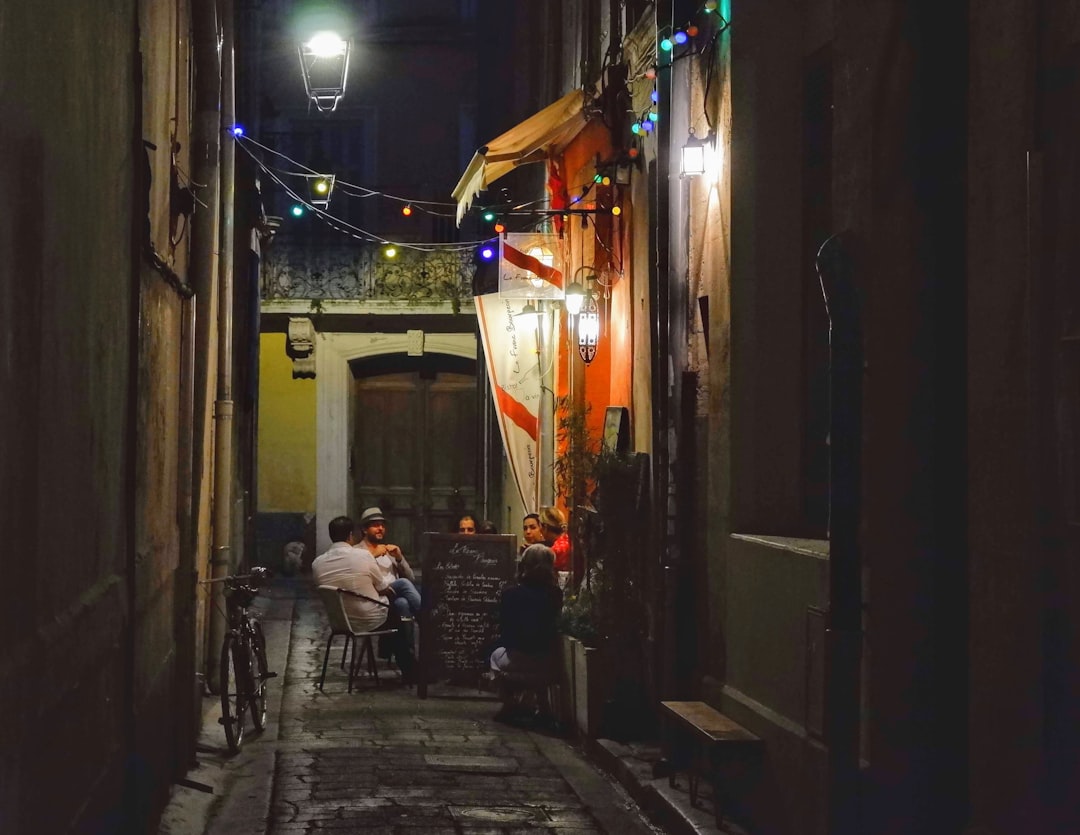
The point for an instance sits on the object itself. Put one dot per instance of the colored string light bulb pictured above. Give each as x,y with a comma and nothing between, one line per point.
650,73
488,216
297,210
606,181
616,210
692,31
500,228
406,210
647,127
390,252
655,96
680,37
487,252
237,130
710,5
635,128
667,45
654,116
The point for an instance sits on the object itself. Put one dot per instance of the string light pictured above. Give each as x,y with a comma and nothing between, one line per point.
406,210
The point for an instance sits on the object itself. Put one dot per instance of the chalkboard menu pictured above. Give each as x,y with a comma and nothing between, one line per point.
462,583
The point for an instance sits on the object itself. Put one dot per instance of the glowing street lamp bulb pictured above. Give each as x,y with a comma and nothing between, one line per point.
326,45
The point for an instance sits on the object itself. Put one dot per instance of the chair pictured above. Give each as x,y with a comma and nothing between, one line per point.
333,600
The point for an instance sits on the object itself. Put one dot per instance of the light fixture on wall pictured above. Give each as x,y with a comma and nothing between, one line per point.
324,61
574,298
693,156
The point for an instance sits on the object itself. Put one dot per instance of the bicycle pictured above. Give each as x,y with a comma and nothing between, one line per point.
243,658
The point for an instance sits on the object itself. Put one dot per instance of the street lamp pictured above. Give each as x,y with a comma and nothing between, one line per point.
324,61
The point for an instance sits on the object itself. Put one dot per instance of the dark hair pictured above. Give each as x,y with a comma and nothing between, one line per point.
487,526
341,528
535,516
537,567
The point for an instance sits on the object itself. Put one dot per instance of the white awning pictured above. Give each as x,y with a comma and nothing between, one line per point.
534,140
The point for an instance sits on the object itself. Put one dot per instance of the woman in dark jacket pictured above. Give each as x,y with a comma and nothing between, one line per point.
527,655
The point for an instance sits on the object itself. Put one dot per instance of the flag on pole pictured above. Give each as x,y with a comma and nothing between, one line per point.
511,346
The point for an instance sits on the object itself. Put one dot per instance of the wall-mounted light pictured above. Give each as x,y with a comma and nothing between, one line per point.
324,61
574,298
545,257
693,156
529,317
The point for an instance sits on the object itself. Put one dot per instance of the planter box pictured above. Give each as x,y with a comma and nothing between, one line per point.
590,689
564,710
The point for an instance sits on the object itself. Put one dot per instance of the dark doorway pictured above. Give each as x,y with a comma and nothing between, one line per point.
414,442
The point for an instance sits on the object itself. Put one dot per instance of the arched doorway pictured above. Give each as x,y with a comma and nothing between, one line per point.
413,446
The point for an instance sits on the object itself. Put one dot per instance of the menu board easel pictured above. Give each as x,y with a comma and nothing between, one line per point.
463,579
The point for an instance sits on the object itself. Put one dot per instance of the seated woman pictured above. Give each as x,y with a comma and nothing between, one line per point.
527,655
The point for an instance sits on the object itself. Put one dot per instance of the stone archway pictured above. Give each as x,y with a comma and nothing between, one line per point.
333,353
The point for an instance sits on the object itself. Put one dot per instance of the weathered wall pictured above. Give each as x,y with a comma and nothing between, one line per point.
89,414
67,111
286,432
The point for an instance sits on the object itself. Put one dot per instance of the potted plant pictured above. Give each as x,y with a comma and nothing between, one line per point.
604,612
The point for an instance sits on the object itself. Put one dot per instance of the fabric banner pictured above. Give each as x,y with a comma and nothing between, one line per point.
512,349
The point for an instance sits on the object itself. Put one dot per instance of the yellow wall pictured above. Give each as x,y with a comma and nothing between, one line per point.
286,432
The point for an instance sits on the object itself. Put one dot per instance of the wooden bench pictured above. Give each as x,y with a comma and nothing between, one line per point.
700,738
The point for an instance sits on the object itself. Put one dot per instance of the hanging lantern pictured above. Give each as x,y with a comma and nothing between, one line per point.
693,157
588,322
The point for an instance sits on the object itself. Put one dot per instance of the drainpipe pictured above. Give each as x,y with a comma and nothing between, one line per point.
844,625
659,293
205,159
223,562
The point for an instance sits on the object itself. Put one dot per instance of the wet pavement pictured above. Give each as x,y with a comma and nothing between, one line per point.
382,760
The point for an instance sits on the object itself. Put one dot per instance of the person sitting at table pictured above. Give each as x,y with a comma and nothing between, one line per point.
527,655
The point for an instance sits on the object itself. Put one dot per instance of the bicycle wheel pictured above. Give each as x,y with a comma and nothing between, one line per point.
259,676
235,671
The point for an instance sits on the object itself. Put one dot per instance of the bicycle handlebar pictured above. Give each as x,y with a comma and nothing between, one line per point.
258,574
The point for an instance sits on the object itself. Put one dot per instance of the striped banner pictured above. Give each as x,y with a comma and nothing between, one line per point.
512,352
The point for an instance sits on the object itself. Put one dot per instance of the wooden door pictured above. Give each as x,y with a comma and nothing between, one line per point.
414,451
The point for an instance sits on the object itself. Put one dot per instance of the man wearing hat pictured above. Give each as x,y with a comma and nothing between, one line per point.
396,570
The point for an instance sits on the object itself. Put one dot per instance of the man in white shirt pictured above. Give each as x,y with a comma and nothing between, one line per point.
347,567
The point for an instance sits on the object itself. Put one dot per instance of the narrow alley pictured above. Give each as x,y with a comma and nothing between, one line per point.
380,759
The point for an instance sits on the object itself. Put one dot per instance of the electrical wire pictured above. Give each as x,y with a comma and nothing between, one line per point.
360,191
357,232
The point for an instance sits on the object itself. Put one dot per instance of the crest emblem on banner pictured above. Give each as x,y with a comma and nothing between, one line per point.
530,266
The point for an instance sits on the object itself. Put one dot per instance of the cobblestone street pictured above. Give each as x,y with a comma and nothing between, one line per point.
382,760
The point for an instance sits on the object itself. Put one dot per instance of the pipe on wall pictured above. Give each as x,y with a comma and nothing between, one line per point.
844,626
205,161
223,560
